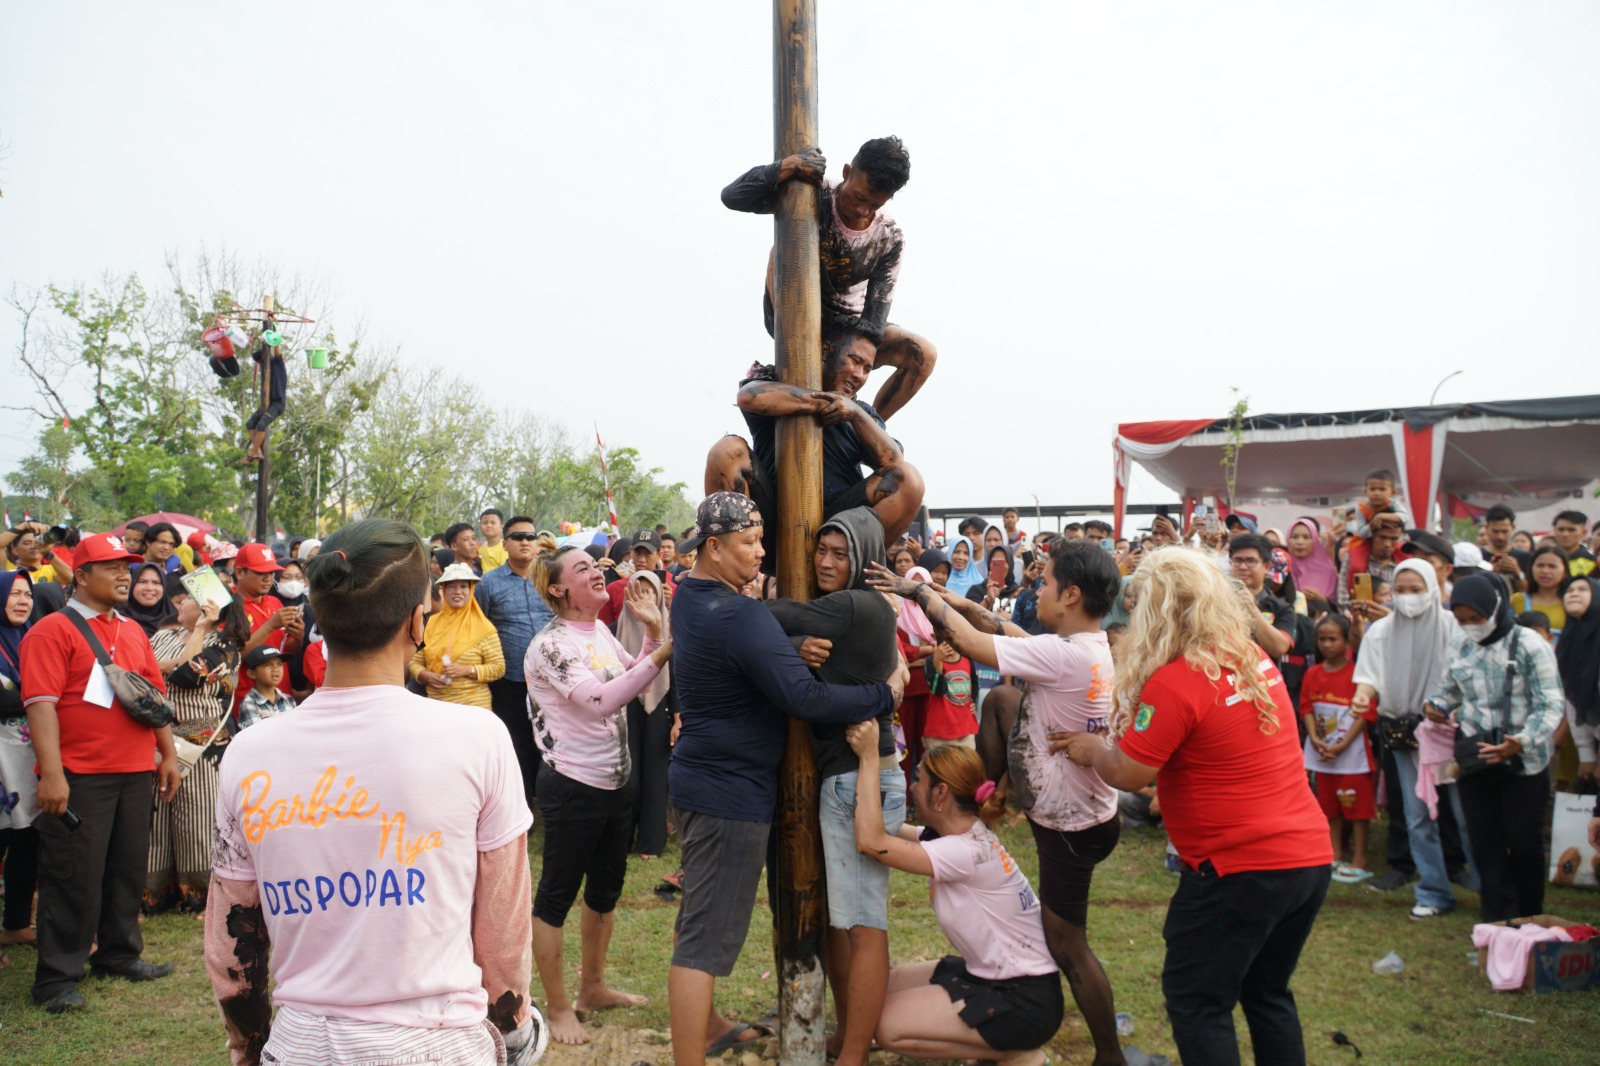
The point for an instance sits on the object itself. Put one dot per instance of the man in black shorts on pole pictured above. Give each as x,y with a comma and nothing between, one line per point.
738,676
853,437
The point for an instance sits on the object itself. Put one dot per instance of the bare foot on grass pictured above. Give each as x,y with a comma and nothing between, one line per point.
606,998
565,1028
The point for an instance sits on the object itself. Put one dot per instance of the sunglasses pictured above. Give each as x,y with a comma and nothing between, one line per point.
522,536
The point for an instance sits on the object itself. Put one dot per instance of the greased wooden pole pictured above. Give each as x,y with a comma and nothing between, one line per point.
801,901
264,467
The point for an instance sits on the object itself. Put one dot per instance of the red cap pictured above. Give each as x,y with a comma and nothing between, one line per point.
257,557
196,540
102,548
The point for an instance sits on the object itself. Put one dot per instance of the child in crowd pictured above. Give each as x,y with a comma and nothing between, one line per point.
1537,621
265,667
1114,632
1383,593
951,717
1380,500
1337,748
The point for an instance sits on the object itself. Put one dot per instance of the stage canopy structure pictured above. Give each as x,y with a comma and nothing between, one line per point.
1473,453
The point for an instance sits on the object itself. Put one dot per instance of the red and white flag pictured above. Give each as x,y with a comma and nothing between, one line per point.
611,507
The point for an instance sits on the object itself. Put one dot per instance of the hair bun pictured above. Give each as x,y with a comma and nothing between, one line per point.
330,571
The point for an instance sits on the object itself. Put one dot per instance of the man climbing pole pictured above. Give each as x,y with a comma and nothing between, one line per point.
268,361
859,253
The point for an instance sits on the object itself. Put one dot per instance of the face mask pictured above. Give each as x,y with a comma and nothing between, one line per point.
292,589
1412,604
1478,632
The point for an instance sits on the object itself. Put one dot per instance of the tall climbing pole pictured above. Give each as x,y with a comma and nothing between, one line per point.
801,902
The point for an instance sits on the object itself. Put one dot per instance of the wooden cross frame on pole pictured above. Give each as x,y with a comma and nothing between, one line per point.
801,903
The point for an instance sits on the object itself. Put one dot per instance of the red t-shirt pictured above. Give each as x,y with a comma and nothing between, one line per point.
950,714
1229,792
1337,689
257,612
56,664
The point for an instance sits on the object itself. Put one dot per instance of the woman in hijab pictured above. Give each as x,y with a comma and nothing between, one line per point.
460,651
19,788
1402,663
966,567
917,641
1313,568
1578,658
1503,690
649,726
937,564
990,593
147,599
1120,607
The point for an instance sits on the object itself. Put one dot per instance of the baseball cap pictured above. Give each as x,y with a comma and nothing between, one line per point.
1420,540
103,548
1470,557
1245,522
647,538
264,654
257,557
719,513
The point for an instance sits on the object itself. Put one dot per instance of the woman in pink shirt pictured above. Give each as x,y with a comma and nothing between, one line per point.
580,682
1000,999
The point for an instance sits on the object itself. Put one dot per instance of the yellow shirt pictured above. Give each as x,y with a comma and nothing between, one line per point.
491,556
41,573
1556,612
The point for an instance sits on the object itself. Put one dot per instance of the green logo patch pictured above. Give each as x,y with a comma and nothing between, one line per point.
1141,721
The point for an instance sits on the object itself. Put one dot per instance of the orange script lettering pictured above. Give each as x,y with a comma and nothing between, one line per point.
263,813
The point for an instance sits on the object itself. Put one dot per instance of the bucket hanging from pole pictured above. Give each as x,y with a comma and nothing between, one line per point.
317,358
219,342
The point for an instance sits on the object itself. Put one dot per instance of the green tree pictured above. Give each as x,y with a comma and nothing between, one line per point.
59,483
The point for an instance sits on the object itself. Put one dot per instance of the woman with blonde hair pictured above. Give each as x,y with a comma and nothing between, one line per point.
1000,998
1199,707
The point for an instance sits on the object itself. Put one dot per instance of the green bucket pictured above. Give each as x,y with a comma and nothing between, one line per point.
318,358
272,337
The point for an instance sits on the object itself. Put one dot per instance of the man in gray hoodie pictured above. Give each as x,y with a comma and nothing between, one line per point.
847,636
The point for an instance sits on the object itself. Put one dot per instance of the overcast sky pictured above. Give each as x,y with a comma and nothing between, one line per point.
1116,211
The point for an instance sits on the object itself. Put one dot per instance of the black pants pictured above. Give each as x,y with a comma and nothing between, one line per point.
510,702
1505,822
90,879
586,833
650,748
20,849
1236,940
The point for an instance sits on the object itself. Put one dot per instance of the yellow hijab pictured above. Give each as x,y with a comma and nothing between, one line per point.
454,631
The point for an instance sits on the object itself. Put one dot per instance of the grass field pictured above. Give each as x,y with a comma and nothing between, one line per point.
1433,1012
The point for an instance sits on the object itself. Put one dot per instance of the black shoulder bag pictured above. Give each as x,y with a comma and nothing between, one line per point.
1468,761
143,701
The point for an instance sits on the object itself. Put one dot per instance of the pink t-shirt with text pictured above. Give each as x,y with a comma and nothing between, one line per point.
361,817
986,906
1069,689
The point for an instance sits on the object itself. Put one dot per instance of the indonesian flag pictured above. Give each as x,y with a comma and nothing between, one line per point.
8,516
611,507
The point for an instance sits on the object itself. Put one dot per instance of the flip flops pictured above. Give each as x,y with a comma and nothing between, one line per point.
1346,874
731,1039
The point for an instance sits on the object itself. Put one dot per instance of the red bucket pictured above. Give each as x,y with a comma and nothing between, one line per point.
216,339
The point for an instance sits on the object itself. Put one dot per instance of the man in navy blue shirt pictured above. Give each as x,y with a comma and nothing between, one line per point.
853,438
738,676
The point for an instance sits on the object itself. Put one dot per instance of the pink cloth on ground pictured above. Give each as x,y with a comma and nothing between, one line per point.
1436,749
1507,961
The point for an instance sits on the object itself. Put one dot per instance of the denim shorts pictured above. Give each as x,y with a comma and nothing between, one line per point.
858,886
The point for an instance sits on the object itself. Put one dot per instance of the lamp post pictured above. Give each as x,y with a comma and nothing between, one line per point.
1439,386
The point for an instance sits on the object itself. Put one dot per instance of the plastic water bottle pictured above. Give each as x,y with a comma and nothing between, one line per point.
1124,1023
1390,964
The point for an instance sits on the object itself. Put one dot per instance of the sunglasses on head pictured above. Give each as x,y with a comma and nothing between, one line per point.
522,536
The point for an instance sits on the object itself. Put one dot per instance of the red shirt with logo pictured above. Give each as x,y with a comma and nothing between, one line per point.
1230,793
950,714
256,612
56,663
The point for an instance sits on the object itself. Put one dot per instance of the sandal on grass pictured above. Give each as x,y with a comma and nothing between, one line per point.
731,1039
1346,874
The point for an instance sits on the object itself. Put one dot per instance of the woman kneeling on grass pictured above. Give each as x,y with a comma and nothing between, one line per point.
1000,999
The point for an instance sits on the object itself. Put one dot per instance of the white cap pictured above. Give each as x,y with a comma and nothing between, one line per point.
1470,557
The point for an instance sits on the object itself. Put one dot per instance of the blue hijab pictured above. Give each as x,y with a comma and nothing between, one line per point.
972,574
11,635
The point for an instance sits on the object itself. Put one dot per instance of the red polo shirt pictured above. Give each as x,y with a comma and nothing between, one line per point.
56,663
1229,792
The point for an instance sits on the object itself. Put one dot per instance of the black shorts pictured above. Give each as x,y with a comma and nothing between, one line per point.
1017,1014
261,419
1066,865
586,833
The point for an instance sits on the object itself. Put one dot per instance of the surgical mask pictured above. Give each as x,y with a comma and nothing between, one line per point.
292,589
1413,604
1478,632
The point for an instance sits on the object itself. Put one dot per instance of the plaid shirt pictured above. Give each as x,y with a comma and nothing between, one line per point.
255,707
1475,679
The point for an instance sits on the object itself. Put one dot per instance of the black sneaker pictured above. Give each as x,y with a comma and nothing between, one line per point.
1388,881
138,970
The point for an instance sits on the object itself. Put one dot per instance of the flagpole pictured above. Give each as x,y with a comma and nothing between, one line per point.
605,478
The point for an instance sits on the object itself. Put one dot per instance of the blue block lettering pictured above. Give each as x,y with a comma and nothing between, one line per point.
391,887
271,893
324,891
414,881
352,897
288,904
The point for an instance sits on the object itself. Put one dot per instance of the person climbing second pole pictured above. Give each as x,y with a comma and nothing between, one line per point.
269,361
